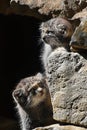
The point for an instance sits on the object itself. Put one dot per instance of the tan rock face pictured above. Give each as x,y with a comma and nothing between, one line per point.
58,127
81,14
51,8
44,6
67,79
65,7
41,8
79,37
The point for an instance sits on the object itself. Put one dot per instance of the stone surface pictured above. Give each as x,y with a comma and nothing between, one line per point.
45,7
79,38
42,8
58,127
67,79
51,8
37,8
80,15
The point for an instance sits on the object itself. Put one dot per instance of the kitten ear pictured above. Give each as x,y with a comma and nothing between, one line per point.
39,75
17,94
44,82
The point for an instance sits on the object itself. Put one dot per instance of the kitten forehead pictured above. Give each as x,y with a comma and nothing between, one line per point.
56,21
34,85
28,82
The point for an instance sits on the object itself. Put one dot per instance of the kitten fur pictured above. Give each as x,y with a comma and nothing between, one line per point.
33,102
55,33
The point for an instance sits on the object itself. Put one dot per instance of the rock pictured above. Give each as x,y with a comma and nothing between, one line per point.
67,80
79,38
80,15
71,7
49,8
58,127
37,8
42,9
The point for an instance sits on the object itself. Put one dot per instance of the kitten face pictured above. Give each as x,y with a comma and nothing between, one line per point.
30,95
56,32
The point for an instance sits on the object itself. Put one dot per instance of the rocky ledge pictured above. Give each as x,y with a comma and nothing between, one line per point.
58,127
67,79
42,9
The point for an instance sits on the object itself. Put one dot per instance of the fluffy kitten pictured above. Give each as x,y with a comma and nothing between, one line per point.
55,33
33,102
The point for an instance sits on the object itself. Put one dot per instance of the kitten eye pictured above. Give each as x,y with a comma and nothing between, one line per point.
33,91
39,90
62,29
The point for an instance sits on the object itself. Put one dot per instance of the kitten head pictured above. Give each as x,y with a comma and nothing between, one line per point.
30,92
56,32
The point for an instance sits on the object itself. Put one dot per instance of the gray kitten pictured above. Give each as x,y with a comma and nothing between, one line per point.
55,33
33,102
